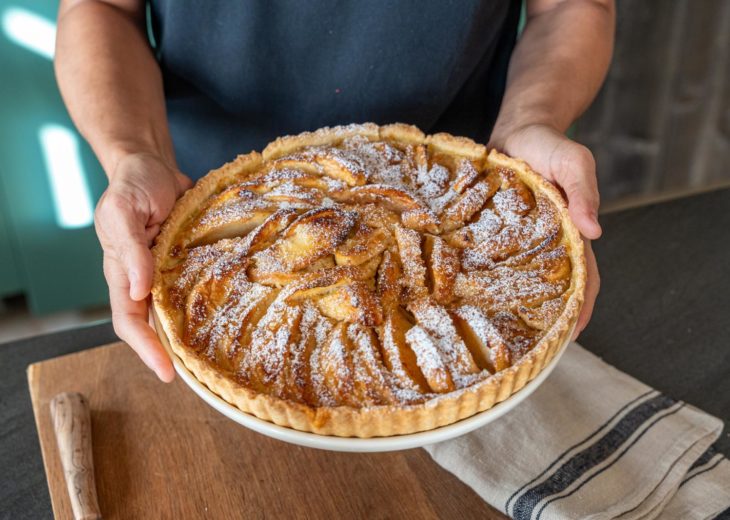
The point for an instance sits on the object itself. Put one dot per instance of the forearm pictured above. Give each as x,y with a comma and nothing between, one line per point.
110,81
558,65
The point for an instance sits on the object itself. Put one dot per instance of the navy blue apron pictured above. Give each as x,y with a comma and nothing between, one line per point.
237,74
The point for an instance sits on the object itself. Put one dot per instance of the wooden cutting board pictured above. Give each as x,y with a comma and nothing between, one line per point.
161,452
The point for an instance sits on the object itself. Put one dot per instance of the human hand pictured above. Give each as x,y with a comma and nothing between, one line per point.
571,167
142,191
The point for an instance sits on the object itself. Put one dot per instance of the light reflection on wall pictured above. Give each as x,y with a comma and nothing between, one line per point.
59,145
29,30
70,191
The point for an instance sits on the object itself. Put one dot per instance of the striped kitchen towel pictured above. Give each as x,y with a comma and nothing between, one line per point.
593,442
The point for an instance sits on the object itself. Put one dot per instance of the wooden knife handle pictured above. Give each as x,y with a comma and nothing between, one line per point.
72,424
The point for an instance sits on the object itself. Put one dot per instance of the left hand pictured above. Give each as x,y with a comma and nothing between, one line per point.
571,167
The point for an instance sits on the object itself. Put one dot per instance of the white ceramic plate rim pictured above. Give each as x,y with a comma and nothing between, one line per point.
354,444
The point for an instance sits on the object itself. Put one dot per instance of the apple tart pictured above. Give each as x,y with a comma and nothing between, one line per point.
368,280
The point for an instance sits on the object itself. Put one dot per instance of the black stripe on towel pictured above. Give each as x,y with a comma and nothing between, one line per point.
576,445
590,457
648,427
704,458
710,468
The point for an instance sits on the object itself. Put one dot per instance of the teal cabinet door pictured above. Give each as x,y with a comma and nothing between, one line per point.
49,177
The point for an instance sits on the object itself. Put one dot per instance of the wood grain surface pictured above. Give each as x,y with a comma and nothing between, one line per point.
161,452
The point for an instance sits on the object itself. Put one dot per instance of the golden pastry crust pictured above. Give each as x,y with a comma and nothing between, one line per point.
447,304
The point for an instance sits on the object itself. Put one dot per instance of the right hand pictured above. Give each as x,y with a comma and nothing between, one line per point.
142,191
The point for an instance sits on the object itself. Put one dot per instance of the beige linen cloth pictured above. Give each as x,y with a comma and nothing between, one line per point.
593,442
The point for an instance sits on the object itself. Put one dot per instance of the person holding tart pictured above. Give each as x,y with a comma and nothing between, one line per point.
210,81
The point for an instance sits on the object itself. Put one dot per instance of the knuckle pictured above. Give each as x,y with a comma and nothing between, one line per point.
110,207
584,157
116,203
578,158
101,208
120,325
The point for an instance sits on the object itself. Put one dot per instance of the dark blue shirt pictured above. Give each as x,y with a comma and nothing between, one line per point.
239,74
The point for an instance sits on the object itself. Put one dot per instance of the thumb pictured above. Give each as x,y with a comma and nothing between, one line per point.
139,265
574,170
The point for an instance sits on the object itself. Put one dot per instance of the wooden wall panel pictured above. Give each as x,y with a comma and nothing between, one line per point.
662,120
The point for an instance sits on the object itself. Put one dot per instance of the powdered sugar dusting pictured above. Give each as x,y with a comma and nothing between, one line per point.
430,358
438,324
506,263
483,328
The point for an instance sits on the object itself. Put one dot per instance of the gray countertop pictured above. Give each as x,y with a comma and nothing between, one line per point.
663,316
